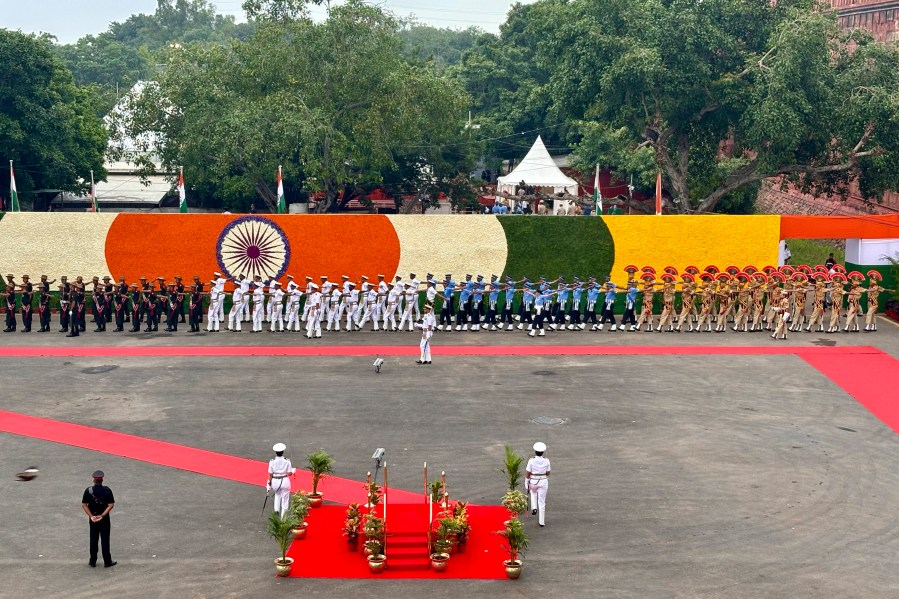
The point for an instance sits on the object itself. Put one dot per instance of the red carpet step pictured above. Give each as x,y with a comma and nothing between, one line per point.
324,552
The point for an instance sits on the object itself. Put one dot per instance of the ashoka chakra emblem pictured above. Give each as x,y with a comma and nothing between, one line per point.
252,245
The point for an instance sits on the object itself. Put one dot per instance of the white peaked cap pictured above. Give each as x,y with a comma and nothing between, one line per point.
539,446
279,447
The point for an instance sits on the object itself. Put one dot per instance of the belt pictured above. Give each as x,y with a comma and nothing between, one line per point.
280,475
538,476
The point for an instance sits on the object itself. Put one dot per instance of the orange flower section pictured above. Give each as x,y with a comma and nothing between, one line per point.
185,244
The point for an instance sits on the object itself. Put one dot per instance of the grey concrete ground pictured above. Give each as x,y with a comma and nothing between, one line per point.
673,476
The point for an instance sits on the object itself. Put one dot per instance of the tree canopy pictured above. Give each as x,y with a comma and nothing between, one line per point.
48,125
334,102
715,94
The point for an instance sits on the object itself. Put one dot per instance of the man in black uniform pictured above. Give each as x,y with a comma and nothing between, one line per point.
179,290
119,299
100,301
108,289
97,502
76,308
27,290
198,288
43,308
10,304
172,309
196,307
81,308
137,302
123,291
64,291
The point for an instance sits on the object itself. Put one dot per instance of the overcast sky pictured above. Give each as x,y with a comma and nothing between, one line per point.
69,20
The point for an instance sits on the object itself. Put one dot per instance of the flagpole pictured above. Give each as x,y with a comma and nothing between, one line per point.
93,194
13,192
658,193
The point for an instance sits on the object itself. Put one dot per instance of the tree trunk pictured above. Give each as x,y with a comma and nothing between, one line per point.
266,194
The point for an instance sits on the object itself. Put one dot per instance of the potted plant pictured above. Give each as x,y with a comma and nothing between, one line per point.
463,527
372,493
516,543
436,489
280,529
443,534
299,509
352,525
512,468
375,537
321,465
516,502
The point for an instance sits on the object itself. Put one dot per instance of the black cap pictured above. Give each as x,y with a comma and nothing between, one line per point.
98,474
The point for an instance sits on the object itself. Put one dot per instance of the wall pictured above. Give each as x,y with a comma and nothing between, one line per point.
151,245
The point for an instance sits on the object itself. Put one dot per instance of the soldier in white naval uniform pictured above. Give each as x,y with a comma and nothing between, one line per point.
313,324
537,477
237,299
279,471
427,326
216,301
293,304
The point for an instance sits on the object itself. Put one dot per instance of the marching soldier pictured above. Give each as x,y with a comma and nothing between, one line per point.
44,309
10,304
446,312
179,290
76,308
276,301
853,300
874,291
427,326
235,316
313,324
27,298
137,302
837,292
782,315
216,302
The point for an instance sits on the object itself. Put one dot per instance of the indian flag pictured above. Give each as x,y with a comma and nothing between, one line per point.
182,198
13,194
597,195
282,203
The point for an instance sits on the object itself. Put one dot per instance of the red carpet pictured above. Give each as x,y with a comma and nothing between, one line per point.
210,463
870,378
324,553
412,350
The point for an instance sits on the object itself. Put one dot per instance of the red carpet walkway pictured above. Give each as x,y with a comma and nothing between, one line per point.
201,461
324,552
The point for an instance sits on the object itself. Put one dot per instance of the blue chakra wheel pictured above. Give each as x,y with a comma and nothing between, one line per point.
253,245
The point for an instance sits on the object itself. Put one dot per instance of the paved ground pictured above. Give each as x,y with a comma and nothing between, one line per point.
674,476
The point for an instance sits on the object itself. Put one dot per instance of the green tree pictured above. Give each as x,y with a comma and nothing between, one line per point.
720,94
48,125
334,102
439,46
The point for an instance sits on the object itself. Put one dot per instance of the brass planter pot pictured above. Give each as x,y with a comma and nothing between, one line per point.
377,563
513,568
316,499
283,568
439,561
299,533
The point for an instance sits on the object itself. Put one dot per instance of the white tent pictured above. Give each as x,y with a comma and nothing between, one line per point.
537,169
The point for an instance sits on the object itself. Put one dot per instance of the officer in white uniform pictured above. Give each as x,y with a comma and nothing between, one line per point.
276,301
245,288
345,290
537,477
352,306
306,305
279,471
216,301
313,324
237,299
327,286
410,293
415,284
258,304
293,304
427,326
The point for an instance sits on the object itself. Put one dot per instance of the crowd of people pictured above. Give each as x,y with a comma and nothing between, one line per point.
823,298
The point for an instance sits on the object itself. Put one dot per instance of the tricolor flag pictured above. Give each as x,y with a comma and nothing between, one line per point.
282,203
182,198
94,206
13,194
659,192
597,194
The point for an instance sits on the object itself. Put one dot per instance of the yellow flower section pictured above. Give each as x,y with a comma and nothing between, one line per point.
698,240
71,244
457,244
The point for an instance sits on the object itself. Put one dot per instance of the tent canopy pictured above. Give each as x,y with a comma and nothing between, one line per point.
537,169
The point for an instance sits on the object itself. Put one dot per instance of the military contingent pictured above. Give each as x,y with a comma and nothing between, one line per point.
777,300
